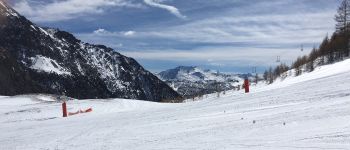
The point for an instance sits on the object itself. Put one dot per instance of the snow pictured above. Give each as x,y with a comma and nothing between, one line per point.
306,112
191,74
2,4
48,65
189,80
32,27
9,12
50,33
319,72
109,70
43,31
79,68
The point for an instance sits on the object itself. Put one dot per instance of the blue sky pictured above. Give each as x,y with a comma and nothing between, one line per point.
225,35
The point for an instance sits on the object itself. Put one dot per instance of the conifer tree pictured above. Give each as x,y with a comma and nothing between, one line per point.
343,16
342,27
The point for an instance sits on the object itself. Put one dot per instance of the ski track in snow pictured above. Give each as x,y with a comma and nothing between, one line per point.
316,113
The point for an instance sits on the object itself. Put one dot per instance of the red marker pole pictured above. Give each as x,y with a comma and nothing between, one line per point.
64,109
246,85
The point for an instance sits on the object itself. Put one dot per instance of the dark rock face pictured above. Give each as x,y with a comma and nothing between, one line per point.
38,60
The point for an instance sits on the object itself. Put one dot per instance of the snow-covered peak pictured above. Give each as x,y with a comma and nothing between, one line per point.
194,74
191,80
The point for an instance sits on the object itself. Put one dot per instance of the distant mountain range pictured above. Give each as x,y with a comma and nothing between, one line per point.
191,81
44,60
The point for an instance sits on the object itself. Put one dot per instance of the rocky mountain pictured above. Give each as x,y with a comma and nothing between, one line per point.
45,60
192,81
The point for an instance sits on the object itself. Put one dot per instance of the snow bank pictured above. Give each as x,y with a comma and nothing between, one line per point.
319,72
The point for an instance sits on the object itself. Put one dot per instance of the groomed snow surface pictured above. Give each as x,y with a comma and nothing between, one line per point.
311,111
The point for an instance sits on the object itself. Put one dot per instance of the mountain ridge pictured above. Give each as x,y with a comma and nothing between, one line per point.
46,60
192,81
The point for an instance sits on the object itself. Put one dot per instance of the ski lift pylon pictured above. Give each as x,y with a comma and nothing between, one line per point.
278,59
302,47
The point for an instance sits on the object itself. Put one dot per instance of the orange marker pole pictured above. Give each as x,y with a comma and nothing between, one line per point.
246,85
64,109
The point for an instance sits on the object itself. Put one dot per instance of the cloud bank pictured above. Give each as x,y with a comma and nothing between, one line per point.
69,9
56,11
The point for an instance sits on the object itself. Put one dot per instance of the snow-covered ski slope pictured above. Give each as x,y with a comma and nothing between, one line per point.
311,111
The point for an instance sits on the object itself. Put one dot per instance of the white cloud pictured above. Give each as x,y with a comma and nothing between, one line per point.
104,32
100,31
129,33
68,9
171,9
